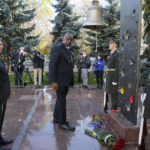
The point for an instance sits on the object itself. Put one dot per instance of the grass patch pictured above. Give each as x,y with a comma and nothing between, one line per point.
92,79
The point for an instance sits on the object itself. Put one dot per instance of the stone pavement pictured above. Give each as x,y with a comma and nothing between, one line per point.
29,115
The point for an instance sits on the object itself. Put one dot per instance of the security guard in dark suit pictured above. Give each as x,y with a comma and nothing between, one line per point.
61,77
4,95
112,74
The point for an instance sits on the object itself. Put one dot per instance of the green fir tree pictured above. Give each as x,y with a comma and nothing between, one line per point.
65,22
145,66
14,29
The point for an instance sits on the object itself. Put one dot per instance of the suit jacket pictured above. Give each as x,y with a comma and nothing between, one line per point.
61,66
38,62
85,62
4,83
112,76
17,64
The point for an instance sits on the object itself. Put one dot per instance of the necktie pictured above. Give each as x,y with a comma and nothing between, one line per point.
69,54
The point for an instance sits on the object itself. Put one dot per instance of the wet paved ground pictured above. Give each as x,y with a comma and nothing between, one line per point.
29,117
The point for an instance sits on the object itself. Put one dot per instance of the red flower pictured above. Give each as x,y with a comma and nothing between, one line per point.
120,144
121,141
116,147
131,99
93,117
99,115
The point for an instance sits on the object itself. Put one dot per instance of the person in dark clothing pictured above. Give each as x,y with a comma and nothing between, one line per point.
112,74
79,67
38,62
61,77
18,67
99,64
43,67
148,59
4,95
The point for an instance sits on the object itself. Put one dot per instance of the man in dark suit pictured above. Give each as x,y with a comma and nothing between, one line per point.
61,77
112,74
4,95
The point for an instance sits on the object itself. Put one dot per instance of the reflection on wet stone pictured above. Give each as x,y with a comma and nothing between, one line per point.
42,133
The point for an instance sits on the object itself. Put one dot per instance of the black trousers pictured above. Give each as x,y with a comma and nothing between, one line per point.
99,78
18,76
60,106
79,75
2,113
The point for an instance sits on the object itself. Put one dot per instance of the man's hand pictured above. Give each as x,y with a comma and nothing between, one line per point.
143,97
114,83
55,86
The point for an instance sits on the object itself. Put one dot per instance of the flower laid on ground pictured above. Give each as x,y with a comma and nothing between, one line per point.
106,139
98,121
120,144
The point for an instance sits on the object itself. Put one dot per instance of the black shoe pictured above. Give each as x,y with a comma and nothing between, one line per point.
85,86
36,86
67,127
4,148
5,141
55,120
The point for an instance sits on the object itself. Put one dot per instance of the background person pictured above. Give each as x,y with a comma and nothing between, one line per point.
42,56
99,64
38,62
18,66
85,65
4,95
79,67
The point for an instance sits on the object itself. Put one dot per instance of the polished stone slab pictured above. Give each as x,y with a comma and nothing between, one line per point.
42,134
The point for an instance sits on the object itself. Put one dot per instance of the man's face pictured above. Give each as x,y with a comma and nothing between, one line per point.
21,50
112,46
1,47
67,40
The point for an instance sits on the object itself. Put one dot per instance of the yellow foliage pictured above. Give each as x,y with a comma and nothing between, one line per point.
41,20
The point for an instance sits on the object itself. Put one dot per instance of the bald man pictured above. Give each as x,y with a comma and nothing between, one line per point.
61,77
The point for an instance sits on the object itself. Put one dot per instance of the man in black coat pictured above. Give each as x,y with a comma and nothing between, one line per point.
38,64
61,77
4,95
112,74
79,67
18,67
